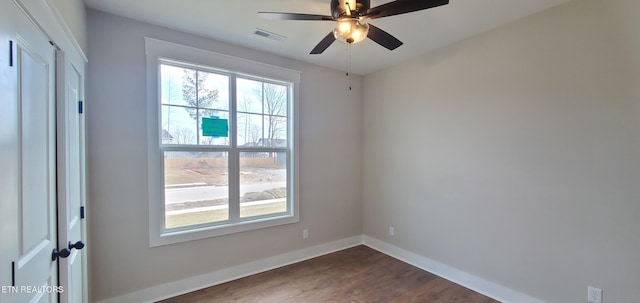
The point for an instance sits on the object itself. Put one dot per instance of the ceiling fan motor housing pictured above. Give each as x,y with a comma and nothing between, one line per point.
339,7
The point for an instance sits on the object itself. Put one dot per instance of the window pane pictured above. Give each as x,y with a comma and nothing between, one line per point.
172,85
196,188
214,91
275,99
249,96
262,113
263,183
202,89
249,129
178,127
275,132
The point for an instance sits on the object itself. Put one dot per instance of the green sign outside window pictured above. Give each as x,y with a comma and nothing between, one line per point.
215,127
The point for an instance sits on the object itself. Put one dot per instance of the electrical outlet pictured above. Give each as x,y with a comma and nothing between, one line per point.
594,295
305,234
392,231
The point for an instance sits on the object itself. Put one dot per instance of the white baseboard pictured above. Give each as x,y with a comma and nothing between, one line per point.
475,283
176,288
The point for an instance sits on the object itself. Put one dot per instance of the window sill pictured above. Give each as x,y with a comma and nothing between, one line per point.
191,234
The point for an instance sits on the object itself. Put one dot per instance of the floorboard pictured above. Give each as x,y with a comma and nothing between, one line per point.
358,274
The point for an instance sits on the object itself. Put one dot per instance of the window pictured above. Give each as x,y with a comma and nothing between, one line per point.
221,144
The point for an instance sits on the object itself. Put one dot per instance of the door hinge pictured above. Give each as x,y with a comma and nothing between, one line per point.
10,53
80,107
81,212
13,274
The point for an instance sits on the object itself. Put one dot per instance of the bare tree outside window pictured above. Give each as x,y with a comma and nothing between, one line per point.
254,133
195,93
184,136
245,107
275,109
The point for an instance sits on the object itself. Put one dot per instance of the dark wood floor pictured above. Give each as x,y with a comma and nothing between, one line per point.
358,274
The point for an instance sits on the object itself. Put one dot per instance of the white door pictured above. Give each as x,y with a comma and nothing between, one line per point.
71,197
29,164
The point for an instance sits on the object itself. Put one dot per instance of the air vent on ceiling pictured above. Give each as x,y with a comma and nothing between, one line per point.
269,35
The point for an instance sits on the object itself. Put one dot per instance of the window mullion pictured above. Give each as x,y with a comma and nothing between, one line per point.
197,109
234,154
234,185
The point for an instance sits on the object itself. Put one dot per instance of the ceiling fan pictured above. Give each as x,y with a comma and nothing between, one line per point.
351,14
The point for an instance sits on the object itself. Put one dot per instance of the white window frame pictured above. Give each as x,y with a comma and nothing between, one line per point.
157,50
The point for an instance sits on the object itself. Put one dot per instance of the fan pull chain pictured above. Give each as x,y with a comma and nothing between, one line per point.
349,64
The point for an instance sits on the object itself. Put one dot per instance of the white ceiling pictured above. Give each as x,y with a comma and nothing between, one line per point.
234,21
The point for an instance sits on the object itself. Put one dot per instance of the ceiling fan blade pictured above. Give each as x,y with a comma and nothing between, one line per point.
294,16
324,44
383,38
402,7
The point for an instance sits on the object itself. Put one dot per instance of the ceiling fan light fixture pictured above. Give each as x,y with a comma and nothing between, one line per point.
350,30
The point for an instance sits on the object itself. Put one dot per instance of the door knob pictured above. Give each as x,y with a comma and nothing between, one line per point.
55,254
78,245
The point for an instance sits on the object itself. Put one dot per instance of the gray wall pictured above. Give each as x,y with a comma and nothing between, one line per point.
74,15
121,260
515,155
